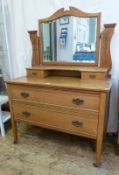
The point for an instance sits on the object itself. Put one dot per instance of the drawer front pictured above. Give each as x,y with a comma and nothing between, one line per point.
37,73
81,122
77,100
93,75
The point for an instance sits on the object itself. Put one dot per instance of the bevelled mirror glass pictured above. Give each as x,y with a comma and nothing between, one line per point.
69,39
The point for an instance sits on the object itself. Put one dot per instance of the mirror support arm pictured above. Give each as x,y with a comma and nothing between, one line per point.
35,41
106,36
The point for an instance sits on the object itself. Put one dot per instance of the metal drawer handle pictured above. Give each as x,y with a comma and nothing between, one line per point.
92,76
24,94
77,101
26,114
34,73
77,123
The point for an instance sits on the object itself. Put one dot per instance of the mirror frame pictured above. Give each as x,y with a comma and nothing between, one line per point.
71,12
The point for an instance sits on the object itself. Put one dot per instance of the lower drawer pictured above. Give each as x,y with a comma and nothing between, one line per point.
75,122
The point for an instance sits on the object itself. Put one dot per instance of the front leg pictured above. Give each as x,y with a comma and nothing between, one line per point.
100,128
99,143
117,146
14,129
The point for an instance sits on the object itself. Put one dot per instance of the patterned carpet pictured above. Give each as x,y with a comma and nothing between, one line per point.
46,152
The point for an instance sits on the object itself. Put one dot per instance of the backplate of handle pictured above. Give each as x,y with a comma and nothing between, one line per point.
26,114
77,101
77,123
24,94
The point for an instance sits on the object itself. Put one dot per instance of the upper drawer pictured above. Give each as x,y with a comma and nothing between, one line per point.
67,98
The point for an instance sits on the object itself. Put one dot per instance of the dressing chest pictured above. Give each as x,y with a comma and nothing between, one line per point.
67,88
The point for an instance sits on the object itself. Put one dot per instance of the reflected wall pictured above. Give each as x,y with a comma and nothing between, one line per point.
70,39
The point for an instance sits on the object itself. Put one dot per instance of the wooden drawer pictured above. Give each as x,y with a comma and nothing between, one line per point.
73,99
81,122
37,73
93,75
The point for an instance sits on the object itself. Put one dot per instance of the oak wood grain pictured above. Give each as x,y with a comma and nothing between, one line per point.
57,97
106,37
94,75
35,40
57,118
73,68
64,82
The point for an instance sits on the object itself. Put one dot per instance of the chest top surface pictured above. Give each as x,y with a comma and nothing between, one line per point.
64,82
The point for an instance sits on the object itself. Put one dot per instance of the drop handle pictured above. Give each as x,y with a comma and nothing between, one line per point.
77,101
34,73
92,76
26,114
24,94
77,123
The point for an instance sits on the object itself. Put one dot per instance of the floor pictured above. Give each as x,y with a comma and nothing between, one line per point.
46,152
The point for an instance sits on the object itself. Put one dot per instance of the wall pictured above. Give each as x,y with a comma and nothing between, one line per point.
23,17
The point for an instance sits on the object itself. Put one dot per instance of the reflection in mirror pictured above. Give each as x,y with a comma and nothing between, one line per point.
70,39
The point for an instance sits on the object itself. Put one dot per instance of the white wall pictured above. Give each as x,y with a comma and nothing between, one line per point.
24,15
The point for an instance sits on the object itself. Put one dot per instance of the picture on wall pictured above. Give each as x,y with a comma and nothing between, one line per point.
64,20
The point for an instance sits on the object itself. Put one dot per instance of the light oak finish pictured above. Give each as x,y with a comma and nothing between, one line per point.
37,73
101,125
106,37
93,75
71,83
71,68
57,118
51,99
65,96
35,40
89,100
69,71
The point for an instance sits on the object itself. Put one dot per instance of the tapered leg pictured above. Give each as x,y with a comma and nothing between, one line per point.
117,146
101,128
98,151
14,128
14,123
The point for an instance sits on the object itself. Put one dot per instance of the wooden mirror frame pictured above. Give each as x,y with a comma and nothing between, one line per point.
71,12
103,40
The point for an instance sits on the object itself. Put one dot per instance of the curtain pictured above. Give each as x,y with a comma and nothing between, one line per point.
4,49
24,15
5,71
